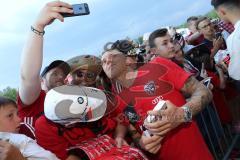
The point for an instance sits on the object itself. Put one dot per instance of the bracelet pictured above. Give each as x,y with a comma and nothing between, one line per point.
37,31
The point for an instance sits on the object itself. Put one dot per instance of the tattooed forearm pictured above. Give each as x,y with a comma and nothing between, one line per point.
200,95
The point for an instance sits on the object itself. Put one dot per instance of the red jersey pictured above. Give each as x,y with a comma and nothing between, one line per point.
57,138
30,113
198,41
158,80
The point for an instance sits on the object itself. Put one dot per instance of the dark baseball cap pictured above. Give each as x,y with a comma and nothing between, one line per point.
57,63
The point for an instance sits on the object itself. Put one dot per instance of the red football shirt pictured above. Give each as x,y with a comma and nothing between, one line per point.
58,139
158,80
30,113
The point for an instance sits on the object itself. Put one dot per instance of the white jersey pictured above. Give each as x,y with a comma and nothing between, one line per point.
27,146
233,45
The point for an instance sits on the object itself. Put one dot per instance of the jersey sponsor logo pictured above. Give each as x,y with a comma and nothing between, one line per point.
147,85
157,99
150,88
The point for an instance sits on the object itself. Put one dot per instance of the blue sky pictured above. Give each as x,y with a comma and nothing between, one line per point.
109,20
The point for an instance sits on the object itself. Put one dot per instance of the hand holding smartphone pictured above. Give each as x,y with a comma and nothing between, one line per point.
218,34
78,10
152,118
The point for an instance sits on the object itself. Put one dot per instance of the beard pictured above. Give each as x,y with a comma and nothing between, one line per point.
53,85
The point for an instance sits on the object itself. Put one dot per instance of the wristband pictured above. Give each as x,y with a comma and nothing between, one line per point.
187,114
37,31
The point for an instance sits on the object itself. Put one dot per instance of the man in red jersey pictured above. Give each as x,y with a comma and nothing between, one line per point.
175,136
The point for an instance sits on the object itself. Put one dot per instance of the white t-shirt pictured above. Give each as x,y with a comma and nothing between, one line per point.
233,45
27,146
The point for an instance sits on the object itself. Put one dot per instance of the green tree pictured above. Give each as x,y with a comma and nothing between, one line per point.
9,92
140,40
212,14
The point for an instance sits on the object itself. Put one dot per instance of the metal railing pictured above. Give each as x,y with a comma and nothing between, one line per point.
218,137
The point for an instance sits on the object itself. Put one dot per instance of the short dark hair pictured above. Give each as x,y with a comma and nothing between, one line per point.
155,34
192,18
200,19
232,3
6,101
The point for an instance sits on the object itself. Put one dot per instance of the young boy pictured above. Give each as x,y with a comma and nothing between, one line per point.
13,144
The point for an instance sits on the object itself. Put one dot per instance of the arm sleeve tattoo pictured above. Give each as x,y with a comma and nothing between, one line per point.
199,95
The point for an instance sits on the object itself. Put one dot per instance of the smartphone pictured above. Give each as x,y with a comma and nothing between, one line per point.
218,34
78,10
151,118
207,82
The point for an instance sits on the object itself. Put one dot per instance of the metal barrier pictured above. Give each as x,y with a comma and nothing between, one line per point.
219,138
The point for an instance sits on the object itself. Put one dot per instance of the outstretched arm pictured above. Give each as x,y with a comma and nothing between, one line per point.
32,56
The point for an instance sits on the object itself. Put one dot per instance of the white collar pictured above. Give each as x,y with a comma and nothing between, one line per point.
236,25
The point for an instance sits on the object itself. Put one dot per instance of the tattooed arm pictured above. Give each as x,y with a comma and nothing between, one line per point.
200,95
173,116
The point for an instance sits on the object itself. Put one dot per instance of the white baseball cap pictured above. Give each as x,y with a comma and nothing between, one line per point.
69,104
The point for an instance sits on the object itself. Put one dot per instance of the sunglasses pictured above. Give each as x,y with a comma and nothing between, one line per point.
89,75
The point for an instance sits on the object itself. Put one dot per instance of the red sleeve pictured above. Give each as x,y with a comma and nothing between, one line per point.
119,106
175,74
47,137
34,110
58,139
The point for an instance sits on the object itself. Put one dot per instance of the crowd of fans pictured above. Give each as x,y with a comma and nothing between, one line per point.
188,72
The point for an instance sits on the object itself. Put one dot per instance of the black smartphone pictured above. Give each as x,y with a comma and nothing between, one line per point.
218,34
78,10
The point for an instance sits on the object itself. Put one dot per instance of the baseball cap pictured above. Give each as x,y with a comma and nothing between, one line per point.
69,104
88,62
57,63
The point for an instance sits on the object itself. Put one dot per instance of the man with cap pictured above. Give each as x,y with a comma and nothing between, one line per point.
85,70
34,86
